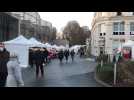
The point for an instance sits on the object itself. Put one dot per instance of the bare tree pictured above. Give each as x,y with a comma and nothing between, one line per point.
75,34
54,32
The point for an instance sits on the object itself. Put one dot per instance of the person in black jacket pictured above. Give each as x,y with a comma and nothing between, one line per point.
39,63
45,55
31,56
66,54
61,55
72,53
4,58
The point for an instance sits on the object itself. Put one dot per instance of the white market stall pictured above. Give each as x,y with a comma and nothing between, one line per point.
36,43
61,47
75,48
48,46
20,46
55,47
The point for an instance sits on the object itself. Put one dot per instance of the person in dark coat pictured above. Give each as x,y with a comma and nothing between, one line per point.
66,54
4,58
72,53
114,59
31,57
39,63
61,55
81,52
45,55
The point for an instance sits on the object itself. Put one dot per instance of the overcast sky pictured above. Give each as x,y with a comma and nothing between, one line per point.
60,19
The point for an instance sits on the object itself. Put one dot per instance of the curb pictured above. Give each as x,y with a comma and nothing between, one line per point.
99,81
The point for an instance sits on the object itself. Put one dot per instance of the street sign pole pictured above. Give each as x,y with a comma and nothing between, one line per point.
115,69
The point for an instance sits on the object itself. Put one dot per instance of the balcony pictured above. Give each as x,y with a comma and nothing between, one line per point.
132,33
118,33
101,41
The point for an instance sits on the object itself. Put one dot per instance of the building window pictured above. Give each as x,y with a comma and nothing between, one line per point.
104,33
119,13
121,26
100,34
99,28
118,28
132,28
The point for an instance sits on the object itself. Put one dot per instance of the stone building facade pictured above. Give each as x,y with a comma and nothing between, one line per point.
110,30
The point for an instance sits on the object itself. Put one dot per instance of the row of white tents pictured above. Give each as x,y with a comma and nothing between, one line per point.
76,48
21,45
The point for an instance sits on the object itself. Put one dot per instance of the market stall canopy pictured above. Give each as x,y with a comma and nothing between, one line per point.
20,46
55,46
75,48
61,47
48,45
20,40
36,43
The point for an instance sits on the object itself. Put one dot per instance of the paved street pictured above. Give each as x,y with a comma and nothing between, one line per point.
79,73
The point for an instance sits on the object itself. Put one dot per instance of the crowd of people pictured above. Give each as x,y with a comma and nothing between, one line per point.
10,70
81,52
66,54
38,57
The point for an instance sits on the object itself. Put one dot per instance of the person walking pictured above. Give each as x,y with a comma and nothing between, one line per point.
66,54
45,55
72,53
14,78
39,63
4,58
60,55
31,58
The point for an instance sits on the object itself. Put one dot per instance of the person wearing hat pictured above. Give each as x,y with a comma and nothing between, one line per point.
14,78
